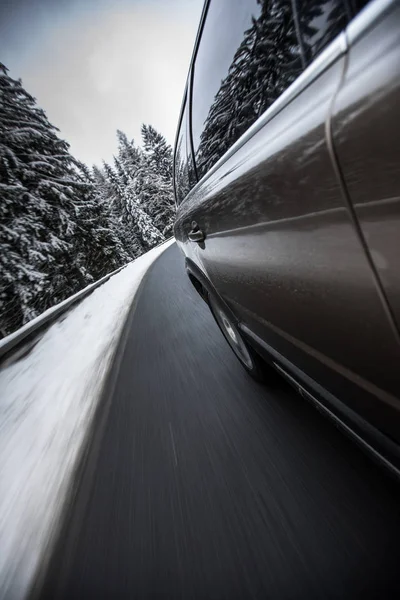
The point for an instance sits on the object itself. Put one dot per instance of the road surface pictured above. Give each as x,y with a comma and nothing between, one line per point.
200,483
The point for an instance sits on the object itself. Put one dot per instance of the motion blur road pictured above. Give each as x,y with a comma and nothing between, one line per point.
200,483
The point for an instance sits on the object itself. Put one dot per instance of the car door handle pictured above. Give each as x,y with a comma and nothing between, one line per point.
195,234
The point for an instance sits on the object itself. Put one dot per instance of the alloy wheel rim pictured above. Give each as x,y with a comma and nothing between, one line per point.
233,336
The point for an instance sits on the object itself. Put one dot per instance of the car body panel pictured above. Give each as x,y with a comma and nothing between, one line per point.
283,247
366,133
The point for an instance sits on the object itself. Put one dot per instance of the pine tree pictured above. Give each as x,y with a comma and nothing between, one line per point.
118,216
149,234
57,233
133,187
121,173
98,248
155,184
84,173
38,216
157,151
128,155
127,199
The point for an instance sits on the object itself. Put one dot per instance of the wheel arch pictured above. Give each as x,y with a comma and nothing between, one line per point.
204,287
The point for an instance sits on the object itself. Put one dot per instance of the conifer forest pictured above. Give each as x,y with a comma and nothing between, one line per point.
64,224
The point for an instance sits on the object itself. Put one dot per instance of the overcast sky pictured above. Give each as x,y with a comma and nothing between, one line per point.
98,65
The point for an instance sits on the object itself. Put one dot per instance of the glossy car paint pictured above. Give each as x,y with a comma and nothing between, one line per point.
283,247
366,131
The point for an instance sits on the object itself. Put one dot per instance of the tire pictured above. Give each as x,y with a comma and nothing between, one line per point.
247,357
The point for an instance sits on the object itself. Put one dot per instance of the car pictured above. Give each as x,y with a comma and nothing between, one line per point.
287,185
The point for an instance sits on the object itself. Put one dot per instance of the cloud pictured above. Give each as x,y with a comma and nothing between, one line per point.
107,65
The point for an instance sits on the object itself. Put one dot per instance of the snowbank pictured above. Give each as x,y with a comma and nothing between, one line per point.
47,401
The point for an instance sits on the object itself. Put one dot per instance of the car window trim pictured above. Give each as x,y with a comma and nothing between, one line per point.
367,18
189,123
187,97
178,131
189,78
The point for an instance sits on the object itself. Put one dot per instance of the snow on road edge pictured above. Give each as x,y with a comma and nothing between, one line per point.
47,401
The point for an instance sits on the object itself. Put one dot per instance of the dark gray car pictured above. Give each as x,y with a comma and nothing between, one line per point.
287,178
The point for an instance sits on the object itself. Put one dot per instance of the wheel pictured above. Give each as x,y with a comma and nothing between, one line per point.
248,358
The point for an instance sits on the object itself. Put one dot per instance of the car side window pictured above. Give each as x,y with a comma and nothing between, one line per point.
320,21
183,167
248,55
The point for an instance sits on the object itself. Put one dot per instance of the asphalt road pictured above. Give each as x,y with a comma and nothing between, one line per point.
200,483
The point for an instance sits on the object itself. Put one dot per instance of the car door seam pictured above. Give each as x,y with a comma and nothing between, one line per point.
349,205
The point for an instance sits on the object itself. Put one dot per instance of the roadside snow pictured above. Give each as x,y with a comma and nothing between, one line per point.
47,401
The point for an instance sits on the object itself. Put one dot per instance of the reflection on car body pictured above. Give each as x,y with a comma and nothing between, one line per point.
286,162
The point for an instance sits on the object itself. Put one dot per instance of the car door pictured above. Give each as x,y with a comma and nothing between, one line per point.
281,243
365,127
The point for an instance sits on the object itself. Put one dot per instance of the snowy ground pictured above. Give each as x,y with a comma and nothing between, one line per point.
47,401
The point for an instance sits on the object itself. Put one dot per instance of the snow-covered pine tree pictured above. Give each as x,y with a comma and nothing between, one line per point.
112,186
38,217
158,152
97,247
125,183
84,173
139,189
155,180
149,234
128,155
131,224
119,219
56,233
122,174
